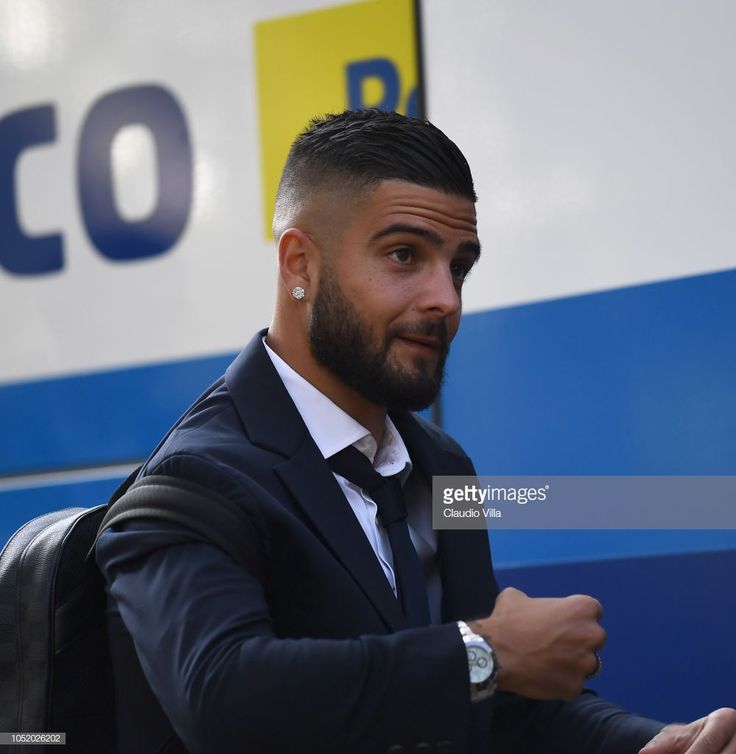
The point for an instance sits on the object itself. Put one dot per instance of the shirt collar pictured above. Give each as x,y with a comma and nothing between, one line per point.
332,429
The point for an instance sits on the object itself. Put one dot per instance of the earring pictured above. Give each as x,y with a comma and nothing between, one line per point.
298,293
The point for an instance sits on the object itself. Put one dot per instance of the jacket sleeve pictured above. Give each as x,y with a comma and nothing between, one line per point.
202,631
586,725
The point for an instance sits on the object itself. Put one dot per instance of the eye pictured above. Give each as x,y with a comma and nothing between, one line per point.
403,255
460,270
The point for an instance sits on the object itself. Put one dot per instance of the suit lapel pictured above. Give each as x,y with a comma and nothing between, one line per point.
313,485
272,422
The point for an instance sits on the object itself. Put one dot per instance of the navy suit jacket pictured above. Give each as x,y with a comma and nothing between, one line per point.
305,650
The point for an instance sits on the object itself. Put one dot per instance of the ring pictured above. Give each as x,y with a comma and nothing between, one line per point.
598,667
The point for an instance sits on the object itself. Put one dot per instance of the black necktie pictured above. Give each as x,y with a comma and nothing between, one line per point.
386,492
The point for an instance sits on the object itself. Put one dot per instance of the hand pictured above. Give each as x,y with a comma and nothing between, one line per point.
714,734
545,647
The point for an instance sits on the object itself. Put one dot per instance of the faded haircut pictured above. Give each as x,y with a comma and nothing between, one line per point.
356,149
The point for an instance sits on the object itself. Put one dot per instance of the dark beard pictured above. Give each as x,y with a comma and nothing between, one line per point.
340,340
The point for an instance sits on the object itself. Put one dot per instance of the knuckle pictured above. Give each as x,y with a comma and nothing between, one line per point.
600,637
582,602
724,721
511,592
591,636
727,714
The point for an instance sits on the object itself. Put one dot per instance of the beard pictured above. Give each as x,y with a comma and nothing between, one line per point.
340,340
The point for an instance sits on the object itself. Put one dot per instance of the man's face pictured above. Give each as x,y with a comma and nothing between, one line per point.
388,299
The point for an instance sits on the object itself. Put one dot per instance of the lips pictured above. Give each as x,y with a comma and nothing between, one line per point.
433,343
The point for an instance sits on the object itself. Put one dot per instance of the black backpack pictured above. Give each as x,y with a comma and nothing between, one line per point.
55,669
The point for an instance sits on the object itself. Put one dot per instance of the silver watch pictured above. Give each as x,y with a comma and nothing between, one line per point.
482,663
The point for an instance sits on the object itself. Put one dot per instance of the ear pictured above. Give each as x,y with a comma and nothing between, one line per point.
297,259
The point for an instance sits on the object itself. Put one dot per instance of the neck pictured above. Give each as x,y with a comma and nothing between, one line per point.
297,355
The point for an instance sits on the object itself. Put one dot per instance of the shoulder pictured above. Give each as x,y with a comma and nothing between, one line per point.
210,424
209,446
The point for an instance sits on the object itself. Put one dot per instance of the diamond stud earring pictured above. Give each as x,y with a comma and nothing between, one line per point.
298,293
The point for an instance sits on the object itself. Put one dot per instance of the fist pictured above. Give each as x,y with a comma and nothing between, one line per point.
545,646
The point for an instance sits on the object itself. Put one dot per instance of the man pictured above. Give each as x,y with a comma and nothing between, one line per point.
350,631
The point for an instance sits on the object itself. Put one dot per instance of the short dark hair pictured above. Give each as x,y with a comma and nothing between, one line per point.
359,148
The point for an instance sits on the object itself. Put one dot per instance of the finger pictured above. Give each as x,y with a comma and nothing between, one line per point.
673,739
598,609
512,591
599,639
591,637
718,735
588,604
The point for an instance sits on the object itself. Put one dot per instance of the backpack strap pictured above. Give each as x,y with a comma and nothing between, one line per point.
215,517
124,486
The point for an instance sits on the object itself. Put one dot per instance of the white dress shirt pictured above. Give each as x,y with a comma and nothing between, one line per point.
332,430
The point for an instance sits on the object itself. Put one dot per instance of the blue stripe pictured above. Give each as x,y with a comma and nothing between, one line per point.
97,419
638,380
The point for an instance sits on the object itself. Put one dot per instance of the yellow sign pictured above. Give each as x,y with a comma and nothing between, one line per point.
350,56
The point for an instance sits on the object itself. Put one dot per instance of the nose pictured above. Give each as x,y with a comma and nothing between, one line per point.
440,292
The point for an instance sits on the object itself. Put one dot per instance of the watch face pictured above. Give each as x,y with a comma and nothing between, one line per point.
480,662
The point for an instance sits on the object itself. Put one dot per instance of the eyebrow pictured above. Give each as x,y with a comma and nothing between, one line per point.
470,247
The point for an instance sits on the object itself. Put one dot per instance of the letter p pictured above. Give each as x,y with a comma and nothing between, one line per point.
381,69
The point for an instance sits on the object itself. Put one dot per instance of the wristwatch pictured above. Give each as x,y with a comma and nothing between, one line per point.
482,663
